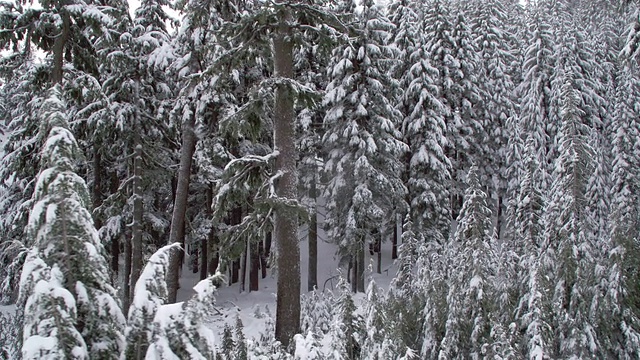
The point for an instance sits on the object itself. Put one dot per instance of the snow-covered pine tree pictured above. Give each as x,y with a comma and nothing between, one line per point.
180,330
451,50
307,347
138,98
491,27
472,296
66,266
316,313
23,93
534,92
574,250
405,301
149,294
375,321
534,310
424,130
362,140
620,321
346,326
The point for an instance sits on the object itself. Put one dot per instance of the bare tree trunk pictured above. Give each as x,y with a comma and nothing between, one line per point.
378,248
394,244
312,279
235,271
361,268
254,277
245,255
499,215
353,265
136,229
58,48
286,225
115,243
176,233
126,276
204,243
97,183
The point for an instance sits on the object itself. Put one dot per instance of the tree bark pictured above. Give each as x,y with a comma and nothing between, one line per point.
115,243
126,276
204,243
499,216
286,226
136,229
58,47
312,275
254,277
176,233
394,244
361,268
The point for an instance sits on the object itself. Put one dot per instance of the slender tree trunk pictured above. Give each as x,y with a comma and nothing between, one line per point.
136,229
204,243
96,189
235,271
312,279
286,225
58,48
245,255
126,276
361,268
353,266
263,259
115,243
394,244
378,247
499,215
176,233
254,276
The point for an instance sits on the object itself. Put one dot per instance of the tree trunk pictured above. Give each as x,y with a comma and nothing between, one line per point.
115,243
361,268
254,276
263,259
58,48
235,271
312,279
245,255
353,265
136,229
499,220
379,251
286,226
204,243
126,276
96,189
176,233
394,244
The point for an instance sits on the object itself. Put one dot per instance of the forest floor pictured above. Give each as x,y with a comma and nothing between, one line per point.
254,308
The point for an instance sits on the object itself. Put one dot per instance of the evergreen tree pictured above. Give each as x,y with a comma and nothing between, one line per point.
424,129
472,294
362,140
575,291
346,326
535,91
66,262
620,322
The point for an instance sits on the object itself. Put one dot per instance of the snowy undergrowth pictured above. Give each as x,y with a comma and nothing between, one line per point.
256,310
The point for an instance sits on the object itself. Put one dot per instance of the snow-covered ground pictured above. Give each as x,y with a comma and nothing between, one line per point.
253,307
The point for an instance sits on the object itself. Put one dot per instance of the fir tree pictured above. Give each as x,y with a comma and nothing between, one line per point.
362,139
67,254
472,293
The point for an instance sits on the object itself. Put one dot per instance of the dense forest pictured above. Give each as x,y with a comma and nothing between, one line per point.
494,143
